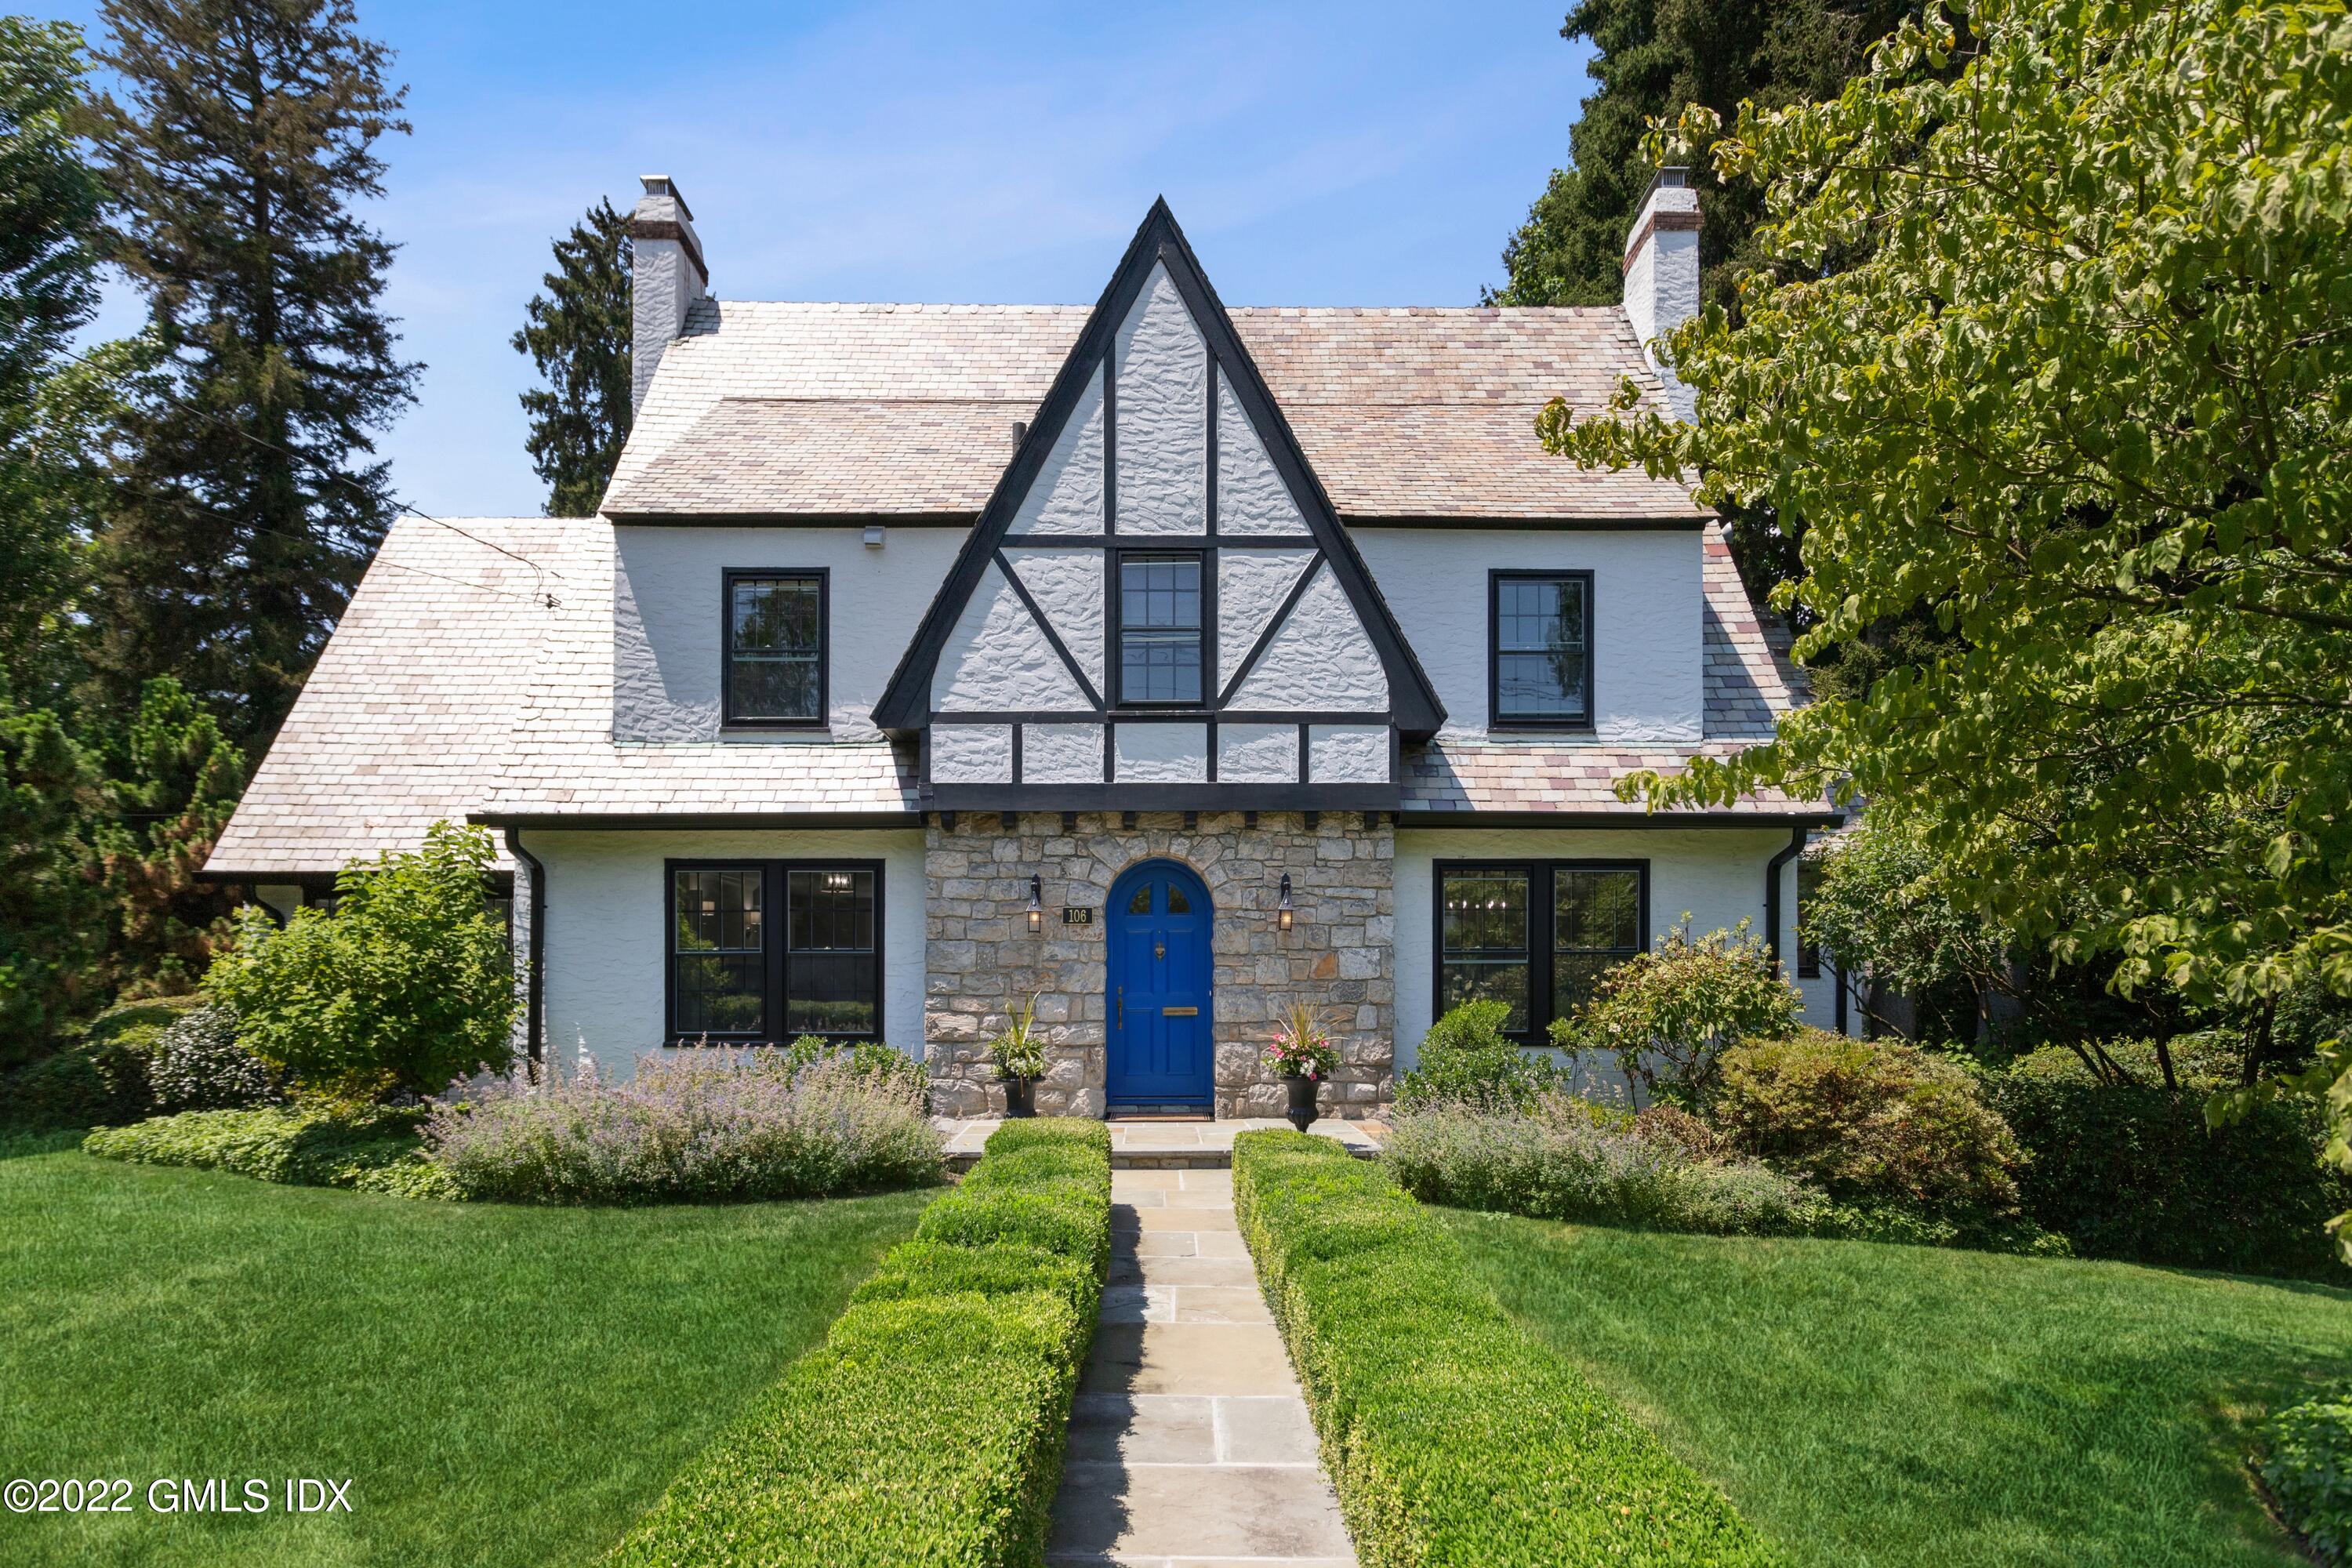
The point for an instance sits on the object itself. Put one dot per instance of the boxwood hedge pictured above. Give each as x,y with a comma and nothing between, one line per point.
928,1429
1452,1436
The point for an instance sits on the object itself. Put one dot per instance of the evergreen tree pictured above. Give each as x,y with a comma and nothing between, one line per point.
174,784
247,504
578,336
52,921
49,201
1654,57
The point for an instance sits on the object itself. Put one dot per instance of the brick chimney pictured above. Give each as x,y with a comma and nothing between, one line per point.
1662,271
669,276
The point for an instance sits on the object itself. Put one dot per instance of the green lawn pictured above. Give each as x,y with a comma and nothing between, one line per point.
501,1385
1872,1406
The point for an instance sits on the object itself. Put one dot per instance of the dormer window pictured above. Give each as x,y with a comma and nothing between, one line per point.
1159,628
775,648
1539,650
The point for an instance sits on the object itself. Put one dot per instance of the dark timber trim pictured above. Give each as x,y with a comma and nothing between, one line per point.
688,822
1266,637
1138,796
1633,817
1533,525
1053,638
793,518
906,702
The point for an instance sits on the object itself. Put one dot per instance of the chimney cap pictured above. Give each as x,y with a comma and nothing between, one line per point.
663,185
1670,177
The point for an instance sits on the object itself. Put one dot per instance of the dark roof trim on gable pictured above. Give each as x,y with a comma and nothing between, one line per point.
906,702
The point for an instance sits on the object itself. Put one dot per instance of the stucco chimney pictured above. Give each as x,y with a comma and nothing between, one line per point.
669,276
1662,271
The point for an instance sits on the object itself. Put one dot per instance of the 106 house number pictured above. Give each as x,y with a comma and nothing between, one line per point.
178,1494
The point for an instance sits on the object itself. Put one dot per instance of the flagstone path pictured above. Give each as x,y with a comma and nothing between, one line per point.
1190,1446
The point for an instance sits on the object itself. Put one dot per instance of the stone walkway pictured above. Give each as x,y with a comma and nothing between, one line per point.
1189,1441
1142,1143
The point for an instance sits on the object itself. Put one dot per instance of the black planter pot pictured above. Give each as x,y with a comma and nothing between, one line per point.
1016,1097
1302,1099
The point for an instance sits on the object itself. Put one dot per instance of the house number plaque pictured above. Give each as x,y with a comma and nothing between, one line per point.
1071,917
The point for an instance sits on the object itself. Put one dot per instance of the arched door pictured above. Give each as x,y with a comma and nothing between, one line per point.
1157,937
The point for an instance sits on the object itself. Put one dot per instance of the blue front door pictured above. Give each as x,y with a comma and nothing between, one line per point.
1159,1012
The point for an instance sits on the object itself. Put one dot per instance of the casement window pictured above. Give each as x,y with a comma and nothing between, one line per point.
1539,650
775,648
1536,935
1159,628
762,952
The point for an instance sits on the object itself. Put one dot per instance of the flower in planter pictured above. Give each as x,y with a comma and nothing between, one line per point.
1018,1052
1302,1047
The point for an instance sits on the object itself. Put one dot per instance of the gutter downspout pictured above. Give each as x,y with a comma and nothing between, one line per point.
1771,893
534,1006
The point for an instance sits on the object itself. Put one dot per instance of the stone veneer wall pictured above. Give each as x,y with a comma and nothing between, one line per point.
982,959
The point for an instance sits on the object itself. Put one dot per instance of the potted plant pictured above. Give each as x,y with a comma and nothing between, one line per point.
1020,1058
1302,1054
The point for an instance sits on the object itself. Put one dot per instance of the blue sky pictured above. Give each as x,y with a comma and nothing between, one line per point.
1365,154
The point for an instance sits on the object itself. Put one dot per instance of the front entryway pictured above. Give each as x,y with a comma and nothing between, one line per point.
1159,923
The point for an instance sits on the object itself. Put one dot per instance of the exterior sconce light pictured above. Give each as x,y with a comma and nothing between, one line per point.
1036,905
1282,911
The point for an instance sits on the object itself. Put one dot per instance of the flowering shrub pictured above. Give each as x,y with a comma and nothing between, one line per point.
1302,1047
706,1125
198,1065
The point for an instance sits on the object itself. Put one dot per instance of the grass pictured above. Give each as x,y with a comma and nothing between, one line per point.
502,1386
1875,1406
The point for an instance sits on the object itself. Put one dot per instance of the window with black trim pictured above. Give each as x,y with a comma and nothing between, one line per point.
1539,649
775,648
1159,622
1536,935
737,975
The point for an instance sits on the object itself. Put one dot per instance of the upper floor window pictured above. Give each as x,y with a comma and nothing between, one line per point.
1536,935
1159,628
775,648
1539,649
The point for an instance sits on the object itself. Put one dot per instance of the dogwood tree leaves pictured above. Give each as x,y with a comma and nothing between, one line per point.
2088,405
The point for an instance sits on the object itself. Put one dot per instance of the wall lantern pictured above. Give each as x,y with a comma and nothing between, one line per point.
1282,911
1036,905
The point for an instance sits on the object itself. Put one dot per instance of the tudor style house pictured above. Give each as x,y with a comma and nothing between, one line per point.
1163,662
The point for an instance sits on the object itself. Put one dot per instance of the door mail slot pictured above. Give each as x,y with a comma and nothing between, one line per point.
1179,1012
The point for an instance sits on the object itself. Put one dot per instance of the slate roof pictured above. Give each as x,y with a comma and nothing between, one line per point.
787,409
408,710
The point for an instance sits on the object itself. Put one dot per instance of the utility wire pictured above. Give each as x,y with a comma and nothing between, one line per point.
538,592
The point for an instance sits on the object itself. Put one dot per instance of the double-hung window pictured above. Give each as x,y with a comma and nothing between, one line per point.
762,952
1159,622
1536,935
1539,650
775,648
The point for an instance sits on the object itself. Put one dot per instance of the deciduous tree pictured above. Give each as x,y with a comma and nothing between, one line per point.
2086,404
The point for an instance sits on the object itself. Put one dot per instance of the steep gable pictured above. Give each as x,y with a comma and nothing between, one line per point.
1158,592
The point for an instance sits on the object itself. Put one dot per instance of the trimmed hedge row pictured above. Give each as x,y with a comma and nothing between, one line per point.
1452,1436
928,1429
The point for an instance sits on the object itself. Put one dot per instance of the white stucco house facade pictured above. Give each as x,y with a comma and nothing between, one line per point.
1162,662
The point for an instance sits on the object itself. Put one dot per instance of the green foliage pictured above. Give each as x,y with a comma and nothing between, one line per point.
198,1065
2086,404
1464,1060
237,147
1651,58
2132,1172
406,985
1451,1436
90,1084
577,335
1669,1014
867,1058
1869,1121
52,922
376,1149
1017,1051
176,785
2307,1464
928,1429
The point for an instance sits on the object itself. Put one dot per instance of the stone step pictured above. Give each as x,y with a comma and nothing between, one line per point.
1155,1145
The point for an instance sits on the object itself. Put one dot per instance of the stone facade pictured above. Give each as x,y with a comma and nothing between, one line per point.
981,960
